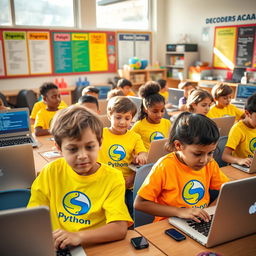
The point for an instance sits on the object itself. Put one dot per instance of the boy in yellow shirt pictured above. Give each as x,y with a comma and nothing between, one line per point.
86,198
241,142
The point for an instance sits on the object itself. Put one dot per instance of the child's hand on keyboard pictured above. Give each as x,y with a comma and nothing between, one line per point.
194,214
63,238
245,161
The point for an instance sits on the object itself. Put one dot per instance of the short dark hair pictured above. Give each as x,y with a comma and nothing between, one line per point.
250,105
46,87
162,83
220,90
90,88
88,99
123,82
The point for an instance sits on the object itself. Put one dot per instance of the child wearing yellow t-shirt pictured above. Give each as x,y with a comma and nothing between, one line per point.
222,94
151,125
241,142
164,89
86,198
178,184
126,86
121,146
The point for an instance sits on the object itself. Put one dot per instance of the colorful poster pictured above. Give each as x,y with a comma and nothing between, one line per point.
142,46
39,52
126,49
62,52
80,52
16,53
224,47
2,72
98,52
111,39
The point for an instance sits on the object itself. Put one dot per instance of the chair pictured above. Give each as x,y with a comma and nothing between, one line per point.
219,151
16,198
77,93
26,98
141,218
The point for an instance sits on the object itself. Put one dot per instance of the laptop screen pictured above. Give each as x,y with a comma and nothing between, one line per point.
174,96
245,91
238,73
13,122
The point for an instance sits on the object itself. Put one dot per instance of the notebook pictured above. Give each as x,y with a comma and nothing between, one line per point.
15,127
17,169
251,169
174,96
234,215
224,124
156,151
243,92
28,231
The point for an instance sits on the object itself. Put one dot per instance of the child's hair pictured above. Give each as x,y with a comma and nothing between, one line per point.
46,87
162,83
123,82
115,92
250,105
197,96
121,104
191,129
149,93
72,121
220,90
90,88
88,99
182,85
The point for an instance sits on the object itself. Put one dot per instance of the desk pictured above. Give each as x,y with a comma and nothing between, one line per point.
154,232
235,174
122,248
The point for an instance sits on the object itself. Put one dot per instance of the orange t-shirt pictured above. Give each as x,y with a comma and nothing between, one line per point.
171,182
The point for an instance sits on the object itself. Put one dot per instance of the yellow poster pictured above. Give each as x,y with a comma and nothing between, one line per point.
98,52
224,47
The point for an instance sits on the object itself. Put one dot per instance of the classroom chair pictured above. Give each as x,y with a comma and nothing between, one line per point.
15,198
26,98
217,155
141,218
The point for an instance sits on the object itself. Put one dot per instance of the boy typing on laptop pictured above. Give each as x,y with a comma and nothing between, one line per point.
86,198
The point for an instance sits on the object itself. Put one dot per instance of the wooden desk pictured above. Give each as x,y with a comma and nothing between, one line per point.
122,248
235,174
154,232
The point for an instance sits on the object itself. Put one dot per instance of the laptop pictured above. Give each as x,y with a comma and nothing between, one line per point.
233,216
224,124
237,75
28,231
174,96
251,169
156,151
243,92
17,168
15,127
137,101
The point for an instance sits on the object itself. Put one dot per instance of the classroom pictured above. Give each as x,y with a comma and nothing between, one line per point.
136,127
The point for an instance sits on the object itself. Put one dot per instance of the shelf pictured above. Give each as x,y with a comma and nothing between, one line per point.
174,66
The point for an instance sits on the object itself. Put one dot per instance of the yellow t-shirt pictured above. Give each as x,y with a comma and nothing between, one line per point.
242,140
165,95
230,110
117,150
80,202
131,93
44,118
171,182
40,104
150,132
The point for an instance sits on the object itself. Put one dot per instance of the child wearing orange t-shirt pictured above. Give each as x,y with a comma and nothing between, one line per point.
178,184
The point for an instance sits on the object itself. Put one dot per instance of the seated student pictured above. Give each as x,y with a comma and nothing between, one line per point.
51,97
222,94
2,106
199,102
241,145
187,87
178,184
121,146
164,89
126,86
86,198
114,92
92,91
89,102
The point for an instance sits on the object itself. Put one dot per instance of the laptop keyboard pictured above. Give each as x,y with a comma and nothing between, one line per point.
202,227
63,252
16,141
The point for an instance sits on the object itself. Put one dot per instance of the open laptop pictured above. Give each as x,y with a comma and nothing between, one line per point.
174,96
27,232
137,101
251,169
233,217
237,75
243,92
17,168
15,127
156,151
224,124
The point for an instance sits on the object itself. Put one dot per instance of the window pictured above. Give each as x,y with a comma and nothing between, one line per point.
5,13
129,14
57,13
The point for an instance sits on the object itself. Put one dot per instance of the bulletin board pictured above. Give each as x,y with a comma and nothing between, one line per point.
39,52
133,44
235,46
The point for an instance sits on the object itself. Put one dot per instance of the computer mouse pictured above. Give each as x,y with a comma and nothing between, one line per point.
208,254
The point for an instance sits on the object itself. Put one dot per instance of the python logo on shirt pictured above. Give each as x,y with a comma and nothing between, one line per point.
116,152
193,192
252,145
156,136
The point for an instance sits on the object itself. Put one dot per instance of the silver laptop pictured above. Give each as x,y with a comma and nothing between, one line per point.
137,101
251,169
243,92
174,97
15,127
224,124
27,232
17,168
234,215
